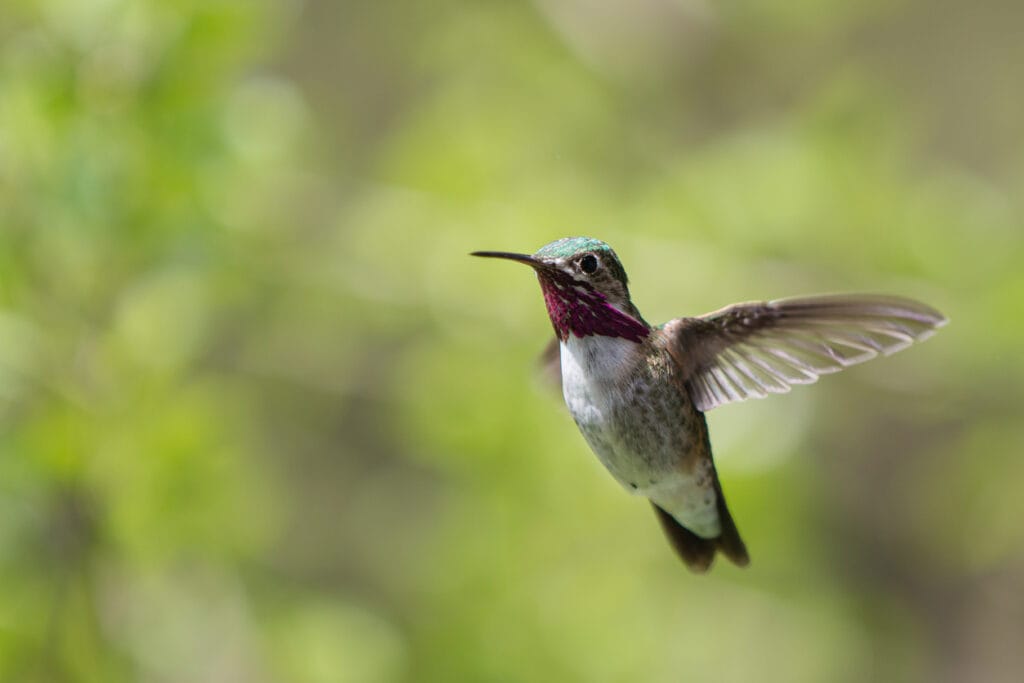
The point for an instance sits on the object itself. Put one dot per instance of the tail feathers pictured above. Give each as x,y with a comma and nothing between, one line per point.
698,553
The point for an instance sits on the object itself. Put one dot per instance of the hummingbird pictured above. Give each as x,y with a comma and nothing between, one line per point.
638,393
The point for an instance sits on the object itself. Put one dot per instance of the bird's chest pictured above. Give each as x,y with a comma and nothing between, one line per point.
630,416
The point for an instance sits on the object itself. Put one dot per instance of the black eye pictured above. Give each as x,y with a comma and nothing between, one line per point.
588,264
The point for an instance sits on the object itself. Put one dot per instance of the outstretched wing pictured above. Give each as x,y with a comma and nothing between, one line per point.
754,349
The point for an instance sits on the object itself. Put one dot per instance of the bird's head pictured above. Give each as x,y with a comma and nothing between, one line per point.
585,288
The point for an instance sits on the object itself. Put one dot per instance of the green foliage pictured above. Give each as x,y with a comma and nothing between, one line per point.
262,419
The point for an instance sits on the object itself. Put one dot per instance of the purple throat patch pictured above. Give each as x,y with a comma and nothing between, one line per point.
577,308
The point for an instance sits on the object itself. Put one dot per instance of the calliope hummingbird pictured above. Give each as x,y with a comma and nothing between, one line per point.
639,393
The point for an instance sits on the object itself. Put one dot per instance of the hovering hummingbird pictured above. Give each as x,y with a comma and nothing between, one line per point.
639,393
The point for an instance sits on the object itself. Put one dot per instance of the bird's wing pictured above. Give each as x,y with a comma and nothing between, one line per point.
550,363
753,349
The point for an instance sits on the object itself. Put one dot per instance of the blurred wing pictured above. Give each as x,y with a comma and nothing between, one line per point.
754,349
550,362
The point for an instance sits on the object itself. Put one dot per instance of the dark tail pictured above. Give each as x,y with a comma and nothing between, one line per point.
698,553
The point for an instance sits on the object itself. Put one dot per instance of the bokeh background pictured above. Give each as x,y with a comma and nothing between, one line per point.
262,419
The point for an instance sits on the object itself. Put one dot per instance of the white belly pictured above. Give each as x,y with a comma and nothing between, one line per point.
600,381
639,437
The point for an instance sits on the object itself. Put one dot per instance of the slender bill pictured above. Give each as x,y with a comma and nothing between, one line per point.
522,258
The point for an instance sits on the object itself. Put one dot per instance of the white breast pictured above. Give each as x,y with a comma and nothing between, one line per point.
594,370
599,391
591,366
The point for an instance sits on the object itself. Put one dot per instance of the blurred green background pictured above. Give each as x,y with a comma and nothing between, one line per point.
262,419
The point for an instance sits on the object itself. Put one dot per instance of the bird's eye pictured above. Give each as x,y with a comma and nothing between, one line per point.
588,264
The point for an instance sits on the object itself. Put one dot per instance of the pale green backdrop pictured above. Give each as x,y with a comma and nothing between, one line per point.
263,420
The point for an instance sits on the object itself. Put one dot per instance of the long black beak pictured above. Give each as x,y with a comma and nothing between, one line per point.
522,258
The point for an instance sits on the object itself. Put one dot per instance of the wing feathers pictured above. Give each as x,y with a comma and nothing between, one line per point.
755,349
